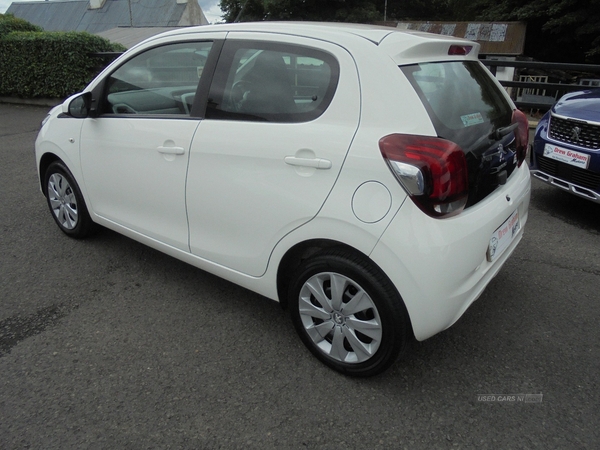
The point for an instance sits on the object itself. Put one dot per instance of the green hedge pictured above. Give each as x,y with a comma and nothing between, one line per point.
10,23
49,64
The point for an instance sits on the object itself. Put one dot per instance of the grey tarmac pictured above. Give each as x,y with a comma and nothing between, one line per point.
107,344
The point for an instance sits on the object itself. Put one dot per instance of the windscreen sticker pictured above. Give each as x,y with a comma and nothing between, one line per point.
469,120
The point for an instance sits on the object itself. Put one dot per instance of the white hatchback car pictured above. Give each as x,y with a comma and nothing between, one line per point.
369,179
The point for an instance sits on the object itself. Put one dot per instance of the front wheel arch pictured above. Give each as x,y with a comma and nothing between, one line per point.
45,161
65,200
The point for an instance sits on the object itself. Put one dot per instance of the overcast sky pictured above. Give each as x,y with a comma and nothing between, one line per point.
209,7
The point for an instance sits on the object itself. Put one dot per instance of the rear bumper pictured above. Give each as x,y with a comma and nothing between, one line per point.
439,266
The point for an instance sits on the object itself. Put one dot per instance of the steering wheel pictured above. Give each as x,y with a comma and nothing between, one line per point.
123,108
239,92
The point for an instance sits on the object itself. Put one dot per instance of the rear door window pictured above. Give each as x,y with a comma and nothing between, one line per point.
270,82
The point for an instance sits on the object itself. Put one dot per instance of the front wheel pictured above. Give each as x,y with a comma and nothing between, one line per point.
66,202
348,313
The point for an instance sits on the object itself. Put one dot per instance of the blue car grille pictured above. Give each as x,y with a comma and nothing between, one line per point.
566,172
576,133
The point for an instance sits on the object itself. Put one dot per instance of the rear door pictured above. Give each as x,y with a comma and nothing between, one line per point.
281,115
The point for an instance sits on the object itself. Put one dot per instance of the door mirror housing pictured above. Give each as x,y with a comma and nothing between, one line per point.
78,106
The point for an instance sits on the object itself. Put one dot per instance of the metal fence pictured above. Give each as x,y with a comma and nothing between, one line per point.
537,94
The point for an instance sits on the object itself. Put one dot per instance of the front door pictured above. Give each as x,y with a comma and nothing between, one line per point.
134,155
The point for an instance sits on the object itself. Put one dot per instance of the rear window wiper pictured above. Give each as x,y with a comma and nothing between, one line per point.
503,131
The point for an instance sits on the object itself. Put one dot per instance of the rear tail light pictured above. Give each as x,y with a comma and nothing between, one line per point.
521,135
432,170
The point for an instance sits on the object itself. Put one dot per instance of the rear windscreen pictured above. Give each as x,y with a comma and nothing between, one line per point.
463,102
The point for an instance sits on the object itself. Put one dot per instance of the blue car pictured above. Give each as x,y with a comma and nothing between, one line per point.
566,147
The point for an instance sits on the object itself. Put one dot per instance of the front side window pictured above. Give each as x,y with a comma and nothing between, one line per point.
160,81
272,82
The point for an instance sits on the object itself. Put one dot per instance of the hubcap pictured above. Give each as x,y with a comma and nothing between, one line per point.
62,201
340,317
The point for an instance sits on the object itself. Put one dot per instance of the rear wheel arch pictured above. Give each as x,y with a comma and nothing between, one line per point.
302,251
331,321
294,257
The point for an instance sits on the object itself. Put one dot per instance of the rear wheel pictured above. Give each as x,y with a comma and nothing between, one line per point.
66,202
348,313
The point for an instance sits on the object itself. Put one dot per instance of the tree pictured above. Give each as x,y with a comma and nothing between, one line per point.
317,10
245,10
417,9
557,30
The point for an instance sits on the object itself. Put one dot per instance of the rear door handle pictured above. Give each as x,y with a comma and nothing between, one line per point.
317,163
171,150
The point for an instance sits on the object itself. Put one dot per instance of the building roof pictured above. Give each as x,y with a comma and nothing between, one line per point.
77,15
129,37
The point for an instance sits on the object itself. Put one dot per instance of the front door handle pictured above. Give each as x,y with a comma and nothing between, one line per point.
171,150
316,163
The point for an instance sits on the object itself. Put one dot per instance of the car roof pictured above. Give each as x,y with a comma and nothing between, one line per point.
372,33
401,45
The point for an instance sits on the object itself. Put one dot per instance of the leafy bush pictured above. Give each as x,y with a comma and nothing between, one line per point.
49,64
10,23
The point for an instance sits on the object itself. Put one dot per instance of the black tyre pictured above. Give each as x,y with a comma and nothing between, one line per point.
348,313
66,202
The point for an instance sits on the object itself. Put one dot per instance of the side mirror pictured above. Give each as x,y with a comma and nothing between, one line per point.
79,105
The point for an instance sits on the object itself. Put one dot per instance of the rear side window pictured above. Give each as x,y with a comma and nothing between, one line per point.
260,81
462,100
